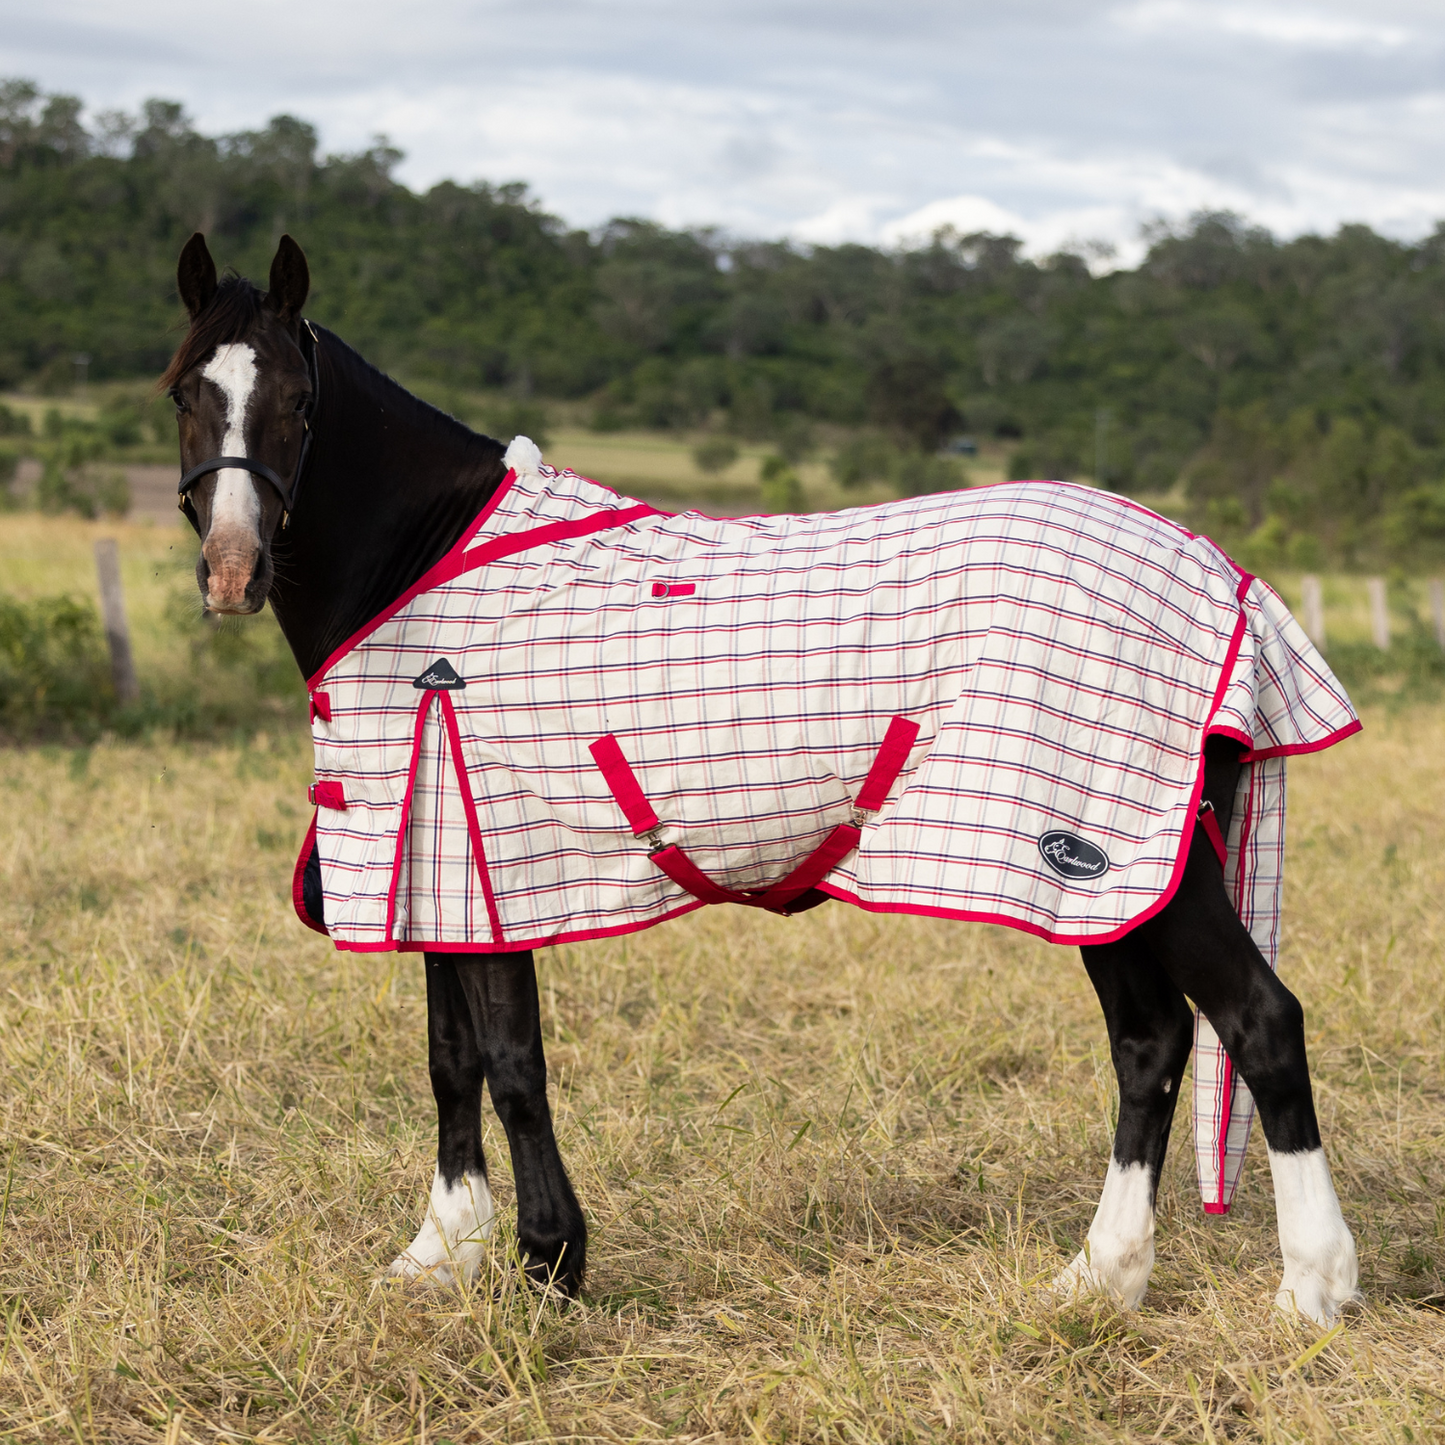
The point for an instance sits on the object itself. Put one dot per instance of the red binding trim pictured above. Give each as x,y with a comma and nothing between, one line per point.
327,795
464,786
1210,824
298,876
1226,1118
321,706
642,818
462,559
1290,750
404,822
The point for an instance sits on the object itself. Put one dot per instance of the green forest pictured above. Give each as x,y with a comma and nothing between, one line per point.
1289,393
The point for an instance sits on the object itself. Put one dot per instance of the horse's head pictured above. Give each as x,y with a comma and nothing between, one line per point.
243,392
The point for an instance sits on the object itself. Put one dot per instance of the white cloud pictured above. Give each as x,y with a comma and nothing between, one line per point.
1297,26
1059,120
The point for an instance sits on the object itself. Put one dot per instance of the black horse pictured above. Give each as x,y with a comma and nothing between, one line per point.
388,488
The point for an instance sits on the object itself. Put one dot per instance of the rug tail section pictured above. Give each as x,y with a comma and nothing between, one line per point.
1254,875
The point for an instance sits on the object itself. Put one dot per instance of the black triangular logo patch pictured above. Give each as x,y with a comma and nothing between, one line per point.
441,675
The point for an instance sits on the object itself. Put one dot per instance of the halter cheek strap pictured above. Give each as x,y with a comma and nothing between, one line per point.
260,469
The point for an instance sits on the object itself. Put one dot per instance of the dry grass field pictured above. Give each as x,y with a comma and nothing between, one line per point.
828,1162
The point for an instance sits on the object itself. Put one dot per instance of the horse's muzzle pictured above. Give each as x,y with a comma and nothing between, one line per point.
234,575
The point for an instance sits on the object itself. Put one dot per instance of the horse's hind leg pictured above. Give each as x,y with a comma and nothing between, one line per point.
1208,954
1151,1031
459,1213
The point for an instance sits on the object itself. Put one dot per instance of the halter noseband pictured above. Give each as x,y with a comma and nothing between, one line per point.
260,469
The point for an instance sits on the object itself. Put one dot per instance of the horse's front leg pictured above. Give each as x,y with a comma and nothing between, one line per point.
459,1213
1151,1031
502,991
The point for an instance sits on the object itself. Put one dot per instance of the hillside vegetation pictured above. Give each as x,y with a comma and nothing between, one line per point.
1295,387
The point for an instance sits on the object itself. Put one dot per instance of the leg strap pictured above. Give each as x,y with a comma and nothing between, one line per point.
643,820
1210,824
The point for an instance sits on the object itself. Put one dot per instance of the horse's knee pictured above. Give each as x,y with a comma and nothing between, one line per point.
1153,1064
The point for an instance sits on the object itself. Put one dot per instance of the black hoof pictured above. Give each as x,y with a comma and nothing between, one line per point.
555,1265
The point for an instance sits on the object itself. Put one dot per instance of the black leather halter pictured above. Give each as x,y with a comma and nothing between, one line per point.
309,346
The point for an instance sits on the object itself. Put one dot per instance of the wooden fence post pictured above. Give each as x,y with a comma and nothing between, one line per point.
117,633
1379,616
1312,604
1437,608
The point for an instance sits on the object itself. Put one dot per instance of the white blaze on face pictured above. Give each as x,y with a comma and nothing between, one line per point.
233,370
234,538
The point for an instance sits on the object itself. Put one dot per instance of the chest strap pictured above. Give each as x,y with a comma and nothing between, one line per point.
642,817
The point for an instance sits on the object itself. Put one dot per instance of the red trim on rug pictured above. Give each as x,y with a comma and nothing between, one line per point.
401,827
464,786
462,558
1226,1116
1290,750
298,876
1216,1209
328,794
581,935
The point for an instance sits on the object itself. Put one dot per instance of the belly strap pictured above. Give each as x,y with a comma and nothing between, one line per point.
888,762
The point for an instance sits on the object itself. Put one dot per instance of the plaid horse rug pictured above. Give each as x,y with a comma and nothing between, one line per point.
592,716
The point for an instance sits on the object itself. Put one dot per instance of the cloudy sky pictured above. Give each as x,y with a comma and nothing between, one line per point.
1064,121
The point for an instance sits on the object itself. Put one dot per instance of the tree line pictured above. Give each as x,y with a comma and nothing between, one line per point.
1295,387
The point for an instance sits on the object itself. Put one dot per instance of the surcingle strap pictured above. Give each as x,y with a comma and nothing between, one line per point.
642,818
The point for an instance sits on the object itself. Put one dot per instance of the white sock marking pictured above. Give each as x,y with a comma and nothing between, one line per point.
233,370
1119,1255
1321,1272
449,1244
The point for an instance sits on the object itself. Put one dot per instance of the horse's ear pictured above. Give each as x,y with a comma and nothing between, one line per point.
196,275
290,280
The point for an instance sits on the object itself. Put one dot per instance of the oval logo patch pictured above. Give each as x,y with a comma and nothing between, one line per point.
1071,856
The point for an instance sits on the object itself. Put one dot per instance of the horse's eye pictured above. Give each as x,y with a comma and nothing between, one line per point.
181,403
303,405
